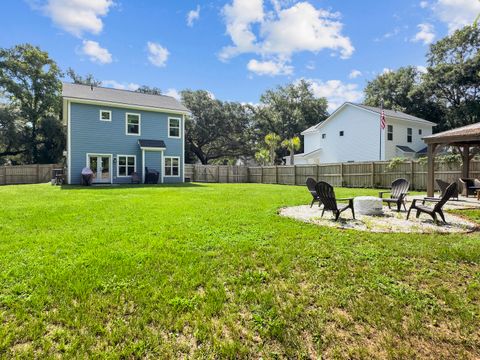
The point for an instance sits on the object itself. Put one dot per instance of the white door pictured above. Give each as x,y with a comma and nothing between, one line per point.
101,167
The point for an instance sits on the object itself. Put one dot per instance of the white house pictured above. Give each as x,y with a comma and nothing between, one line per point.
352,133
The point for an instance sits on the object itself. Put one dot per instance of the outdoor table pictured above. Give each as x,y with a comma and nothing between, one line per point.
368,205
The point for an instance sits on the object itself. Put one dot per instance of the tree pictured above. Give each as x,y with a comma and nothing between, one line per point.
453,78
88,79
31,81
144,89
11,133
216,130
292,145
288,110
262,156
272,140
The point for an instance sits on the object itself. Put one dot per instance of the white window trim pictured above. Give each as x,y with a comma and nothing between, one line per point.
109,115
179,128
118,165
139,124
164,163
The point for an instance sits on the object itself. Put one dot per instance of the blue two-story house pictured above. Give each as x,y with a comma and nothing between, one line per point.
118,132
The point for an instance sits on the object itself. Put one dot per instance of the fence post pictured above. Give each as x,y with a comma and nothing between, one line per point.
4,175
373,175
412,174
276,174
37,169
261,175
341,174
318,170
294,174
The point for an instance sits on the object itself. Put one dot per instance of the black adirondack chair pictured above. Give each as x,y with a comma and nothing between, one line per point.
443,185
437,209
327,197
311,187
398,194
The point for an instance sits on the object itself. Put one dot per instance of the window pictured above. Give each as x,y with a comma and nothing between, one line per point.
390,132
341,133
324,136
105,115
419,131
172,166
132,123
126,165
173,127
409,135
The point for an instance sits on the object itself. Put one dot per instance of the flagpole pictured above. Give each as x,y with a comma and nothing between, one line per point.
380,127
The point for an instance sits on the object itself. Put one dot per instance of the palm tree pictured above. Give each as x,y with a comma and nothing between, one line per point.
262,156
291,145
272,140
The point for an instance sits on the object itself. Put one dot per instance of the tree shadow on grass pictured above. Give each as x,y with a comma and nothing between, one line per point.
130,186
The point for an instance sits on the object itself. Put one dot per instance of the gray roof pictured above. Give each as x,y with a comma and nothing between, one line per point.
405,149
151,143
394,113
123,97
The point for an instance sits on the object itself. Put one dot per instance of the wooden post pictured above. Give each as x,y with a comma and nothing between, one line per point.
4,175
431,169
341,174
294,174
411,174
372,182
276,174
318,170
466,161
261,175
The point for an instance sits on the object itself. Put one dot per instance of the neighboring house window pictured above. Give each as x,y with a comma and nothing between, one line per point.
172,166
419,131
105,115
324,136
341,133
174,128
126,165
390,132
133,124
409,135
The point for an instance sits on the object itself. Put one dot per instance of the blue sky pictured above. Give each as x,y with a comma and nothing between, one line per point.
235,49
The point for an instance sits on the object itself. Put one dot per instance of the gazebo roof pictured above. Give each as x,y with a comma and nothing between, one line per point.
469,134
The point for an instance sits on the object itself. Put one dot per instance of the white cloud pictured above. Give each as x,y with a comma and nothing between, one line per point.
386,71
193,15
77,16
421,69
277,34
268,67
355,74
122,86
158,55
173,93
456,13
426,34
95,52
423,4
336,92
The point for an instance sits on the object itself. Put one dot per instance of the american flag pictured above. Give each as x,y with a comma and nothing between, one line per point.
383,123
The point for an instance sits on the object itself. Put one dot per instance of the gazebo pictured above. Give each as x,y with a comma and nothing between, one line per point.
464,138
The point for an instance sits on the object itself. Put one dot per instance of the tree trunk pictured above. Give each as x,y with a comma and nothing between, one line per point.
292,158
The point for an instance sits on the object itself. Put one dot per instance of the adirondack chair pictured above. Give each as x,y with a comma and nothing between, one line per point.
437,209
443,185
327,197
398,194
311,187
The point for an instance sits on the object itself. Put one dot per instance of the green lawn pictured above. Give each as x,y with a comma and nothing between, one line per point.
212,271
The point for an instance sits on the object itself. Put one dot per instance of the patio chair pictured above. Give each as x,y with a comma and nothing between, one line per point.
437,209
443,185
398,194
468,186
327,198
311,187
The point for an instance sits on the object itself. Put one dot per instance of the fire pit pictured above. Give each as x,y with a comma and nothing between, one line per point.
368,205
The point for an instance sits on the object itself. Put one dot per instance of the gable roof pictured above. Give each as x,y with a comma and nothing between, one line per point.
388,113
121,97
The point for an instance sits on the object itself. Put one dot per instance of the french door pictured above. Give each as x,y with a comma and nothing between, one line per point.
101,165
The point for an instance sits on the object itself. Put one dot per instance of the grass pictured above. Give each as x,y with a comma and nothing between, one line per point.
209,271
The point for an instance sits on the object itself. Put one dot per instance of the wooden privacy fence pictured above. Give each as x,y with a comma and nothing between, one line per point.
26,174
361,174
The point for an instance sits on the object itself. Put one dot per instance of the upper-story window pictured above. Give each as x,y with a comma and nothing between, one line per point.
132,124
324,136
409,135
174,128
342,133
105,115
390,132
419,131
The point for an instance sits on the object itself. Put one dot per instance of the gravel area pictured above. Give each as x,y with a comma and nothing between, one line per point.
391,221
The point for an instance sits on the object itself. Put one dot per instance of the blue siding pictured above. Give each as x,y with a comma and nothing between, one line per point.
90,135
